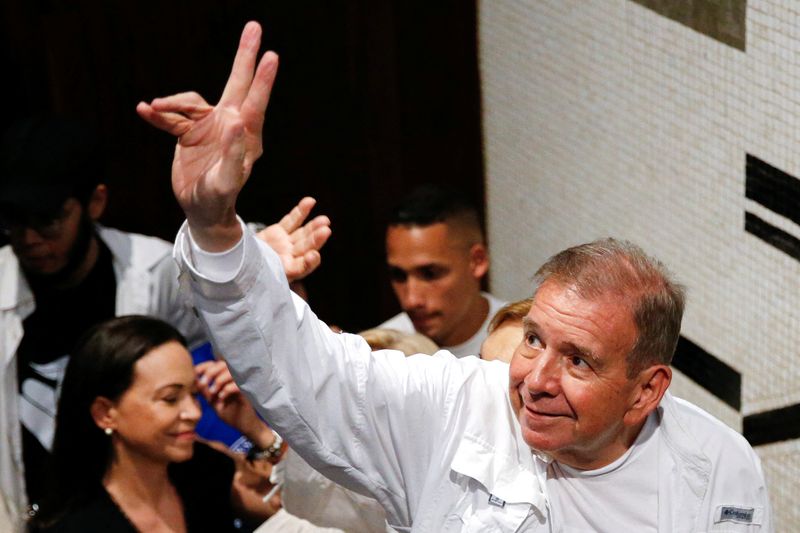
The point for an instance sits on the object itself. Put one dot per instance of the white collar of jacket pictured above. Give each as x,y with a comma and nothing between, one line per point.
693,468
493,452
681,442
14,290
143,253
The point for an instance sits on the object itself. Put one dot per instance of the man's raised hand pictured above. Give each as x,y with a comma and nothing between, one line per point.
217,145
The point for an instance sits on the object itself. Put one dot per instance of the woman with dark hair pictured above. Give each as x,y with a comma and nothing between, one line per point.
124,453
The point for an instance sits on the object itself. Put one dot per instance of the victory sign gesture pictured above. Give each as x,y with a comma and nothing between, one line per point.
217,145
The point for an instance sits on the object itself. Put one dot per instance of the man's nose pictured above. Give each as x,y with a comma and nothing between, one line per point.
544,376
415,293
28,236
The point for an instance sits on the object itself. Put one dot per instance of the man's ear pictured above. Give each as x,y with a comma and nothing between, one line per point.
478,260
652,383
97,202
104,413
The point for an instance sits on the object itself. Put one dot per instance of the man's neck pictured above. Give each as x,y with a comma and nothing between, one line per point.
473,320
81,271
594,460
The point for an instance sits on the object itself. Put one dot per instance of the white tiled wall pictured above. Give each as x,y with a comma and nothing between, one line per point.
601,118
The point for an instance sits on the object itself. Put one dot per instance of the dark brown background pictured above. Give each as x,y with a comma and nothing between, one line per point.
372,97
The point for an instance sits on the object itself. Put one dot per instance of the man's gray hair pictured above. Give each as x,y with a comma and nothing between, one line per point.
622,269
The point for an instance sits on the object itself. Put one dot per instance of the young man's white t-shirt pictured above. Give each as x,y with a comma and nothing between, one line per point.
471,346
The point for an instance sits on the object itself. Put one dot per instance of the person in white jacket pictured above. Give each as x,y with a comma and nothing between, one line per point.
579,433
62,272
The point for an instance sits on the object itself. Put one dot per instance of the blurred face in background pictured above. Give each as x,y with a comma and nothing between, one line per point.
57,246
45,243
435,273
503,341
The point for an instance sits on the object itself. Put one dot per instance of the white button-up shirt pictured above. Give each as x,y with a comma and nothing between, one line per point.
434,439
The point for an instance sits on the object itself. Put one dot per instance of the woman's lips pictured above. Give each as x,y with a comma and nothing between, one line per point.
186,435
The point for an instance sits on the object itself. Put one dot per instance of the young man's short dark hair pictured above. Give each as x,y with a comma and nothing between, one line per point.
430,204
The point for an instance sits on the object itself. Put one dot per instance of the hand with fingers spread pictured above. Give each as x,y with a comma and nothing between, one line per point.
215,383
296,244
217,145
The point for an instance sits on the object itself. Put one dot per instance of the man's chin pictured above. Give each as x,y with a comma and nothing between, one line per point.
41,268
426,327
46,272
538,441
538,436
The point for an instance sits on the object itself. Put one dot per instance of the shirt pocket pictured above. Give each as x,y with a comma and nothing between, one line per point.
474,513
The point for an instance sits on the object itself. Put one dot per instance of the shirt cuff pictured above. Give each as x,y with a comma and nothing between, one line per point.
219,267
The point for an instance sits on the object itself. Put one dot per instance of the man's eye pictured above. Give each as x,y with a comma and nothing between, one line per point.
533,341
170,399
397,275
431,273
578,362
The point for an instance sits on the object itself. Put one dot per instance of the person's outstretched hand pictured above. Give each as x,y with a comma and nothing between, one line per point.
217,145
298,244
215,383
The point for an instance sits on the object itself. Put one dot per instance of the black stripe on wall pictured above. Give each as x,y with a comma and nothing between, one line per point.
709,372
772,426
773,188
786,243
724,21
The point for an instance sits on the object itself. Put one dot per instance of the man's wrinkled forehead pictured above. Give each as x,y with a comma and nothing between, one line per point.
604,306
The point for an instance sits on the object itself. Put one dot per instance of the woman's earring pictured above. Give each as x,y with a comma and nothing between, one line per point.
109,431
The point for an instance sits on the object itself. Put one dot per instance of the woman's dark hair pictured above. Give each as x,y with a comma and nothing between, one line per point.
101,365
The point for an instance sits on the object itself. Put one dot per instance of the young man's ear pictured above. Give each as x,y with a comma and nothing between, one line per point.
478,260
97,202
103,413
652,383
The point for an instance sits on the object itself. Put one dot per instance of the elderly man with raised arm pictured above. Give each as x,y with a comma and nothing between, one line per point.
578,434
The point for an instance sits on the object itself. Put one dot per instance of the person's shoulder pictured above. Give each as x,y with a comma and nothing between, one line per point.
721,464
454,372
472,371
400,322
495,303
135,248
7,257
99,515
13,288
714,438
